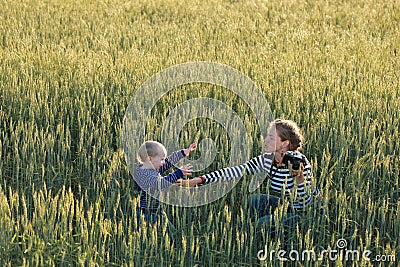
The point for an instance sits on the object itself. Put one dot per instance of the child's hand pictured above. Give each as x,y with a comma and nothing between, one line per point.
187,169
188,183
191,148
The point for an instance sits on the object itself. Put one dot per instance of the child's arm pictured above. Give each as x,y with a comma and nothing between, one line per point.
175,157
172,159
150,180
171,178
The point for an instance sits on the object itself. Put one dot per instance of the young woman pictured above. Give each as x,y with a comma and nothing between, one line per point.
285,183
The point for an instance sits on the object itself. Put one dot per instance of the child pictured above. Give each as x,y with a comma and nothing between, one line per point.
152,163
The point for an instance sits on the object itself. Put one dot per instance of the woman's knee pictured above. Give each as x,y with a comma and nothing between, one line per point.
258,201
254,201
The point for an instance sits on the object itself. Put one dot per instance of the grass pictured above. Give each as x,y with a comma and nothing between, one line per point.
68,71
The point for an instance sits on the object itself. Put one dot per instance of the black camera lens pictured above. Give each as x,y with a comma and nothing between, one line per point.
294,158
296,165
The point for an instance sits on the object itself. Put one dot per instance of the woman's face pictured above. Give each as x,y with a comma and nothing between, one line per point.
273,142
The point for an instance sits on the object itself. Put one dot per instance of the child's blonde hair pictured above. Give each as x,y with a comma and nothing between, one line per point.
150,149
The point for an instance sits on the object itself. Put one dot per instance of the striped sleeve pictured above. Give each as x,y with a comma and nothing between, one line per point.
252,166
170,178
150,180
172,159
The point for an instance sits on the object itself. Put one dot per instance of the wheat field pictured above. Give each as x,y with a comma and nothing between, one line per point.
68,71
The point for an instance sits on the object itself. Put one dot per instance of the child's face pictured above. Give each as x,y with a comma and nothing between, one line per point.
158,160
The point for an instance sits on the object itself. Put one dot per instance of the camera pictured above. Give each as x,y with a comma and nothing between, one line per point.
294,158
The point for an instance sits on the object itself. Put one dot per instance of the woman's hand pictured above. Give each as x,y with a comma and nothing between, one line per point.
189,183
299,174
191,148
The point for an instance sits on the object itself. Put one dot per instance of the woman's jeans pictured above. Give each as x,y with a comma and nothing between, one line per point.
263,206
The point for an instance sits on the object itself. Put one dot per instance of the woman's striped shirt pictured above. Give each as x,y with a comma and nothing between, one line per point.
281,183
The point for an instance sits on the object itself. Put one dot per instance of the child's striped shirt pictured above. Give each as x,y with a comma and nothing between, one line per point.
150,181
